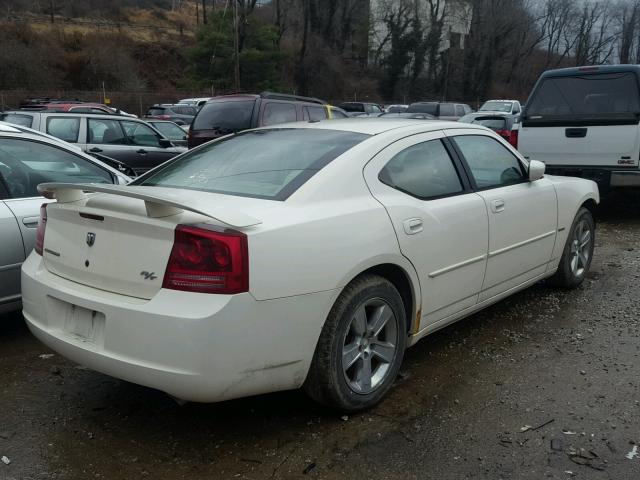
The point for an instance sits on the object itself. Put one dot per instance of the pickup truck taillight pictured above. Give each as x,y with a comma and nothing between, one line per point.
510,136
207,260
42,225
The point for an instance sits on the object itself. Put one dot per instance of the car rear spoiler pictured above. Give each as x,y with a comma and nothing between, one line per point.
156,204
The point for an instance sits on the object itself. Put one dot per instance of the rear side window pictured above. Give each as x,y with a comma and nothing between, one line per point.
591,95
225,117
106,132
270,164
491,164
275,113
66,129
459,110
425,171
352,107
185,110
447,110
24,164
17,119
314,113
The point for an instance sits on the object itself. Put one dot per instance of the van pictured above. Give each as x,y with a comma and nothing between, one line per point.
233,113
584,122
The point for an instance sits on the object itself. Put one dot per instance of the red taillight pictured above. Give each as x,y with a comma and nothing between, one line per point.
513,139
208,261
163,117
42,226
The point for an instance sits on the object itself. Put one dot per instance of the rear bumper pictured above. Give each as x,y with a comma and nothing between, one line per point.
196,347
605,177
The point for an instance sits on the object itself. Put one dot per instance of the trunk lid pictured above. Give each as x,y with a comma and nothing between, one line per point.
120,239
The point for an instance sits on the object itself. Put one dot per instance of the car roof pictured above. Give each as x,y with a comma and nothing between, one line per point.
72,114
376,125
590,70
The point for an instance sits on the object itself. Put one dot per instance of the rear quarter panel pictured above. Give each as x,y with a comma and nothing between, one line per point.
572,194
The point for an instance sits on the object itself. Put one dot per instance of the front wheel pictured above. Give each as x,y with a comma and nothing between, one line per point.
361,346
578,252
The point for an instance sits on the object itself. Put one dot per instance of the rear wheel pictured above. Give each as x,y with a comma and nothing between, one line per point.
361,346
578,252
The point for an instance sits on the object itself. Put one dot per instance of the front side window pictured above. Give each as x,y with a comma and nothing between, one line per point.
315,113
66,129
106,132
24,164
141,135
275,113
424,170
270,164
491,164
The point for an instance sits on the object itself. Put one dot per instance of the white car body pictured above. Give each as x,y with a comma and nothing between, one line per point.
457,255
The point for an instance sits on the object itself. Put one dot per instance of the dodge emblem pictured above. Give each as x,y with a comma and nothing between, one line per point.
91,239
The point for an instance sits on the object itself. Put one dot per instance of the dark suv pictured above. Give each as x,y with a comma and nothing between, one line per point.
232,113
361,108
180,114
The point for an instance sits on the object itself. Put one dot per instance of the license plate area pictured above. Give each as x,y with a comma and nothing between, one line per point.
83,324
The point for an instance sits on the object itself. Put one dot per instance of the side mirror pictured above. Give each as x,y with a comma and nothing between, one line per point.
165,143
536,170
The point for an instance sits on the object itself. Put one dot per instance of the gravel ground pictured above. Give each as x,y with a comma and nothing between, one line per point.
541,385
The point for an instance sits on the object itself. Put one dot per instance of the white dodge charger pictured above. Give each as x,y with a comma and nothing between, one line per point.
309,254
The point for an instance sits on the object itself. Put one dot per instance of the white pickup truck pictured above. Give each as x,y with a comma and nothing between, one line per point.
584,122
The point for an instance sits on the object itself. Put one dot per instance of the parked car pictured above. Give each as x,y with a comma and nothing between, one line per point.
396,108
584,122
128,140
198,102
441,111
27,159
512,107
170,130
180,114
361,108
415,116
501,123
305,254
233,113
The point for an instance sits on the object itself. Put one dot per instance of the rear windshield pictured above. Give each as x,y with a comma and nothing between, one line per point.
270,164
493,106
352,107
592,96
227,117
17,119
430,108
155,111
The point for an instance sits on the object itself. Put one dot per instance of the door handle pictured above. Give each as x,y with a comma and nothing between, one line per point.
95,150
412,226
497,205
142,151
30,222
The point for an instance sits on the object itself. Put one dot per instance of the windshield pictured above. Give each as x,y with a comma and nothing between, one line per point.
270,164
493,106
17,119
226,117
170,130
593,95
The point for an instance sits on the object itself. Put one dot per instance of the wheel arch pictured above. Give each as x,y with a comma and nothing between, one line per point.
405,279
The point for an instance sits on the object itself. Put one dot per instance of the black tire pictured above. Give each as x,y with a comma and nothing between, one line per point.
565,276
326,382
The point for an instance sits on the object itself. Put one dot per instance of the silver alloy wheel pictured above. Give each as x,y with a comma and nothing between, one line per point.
370,345
580,248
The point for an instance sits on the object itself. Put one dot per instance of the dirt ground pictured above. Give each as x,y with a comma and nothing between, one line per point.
542,385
